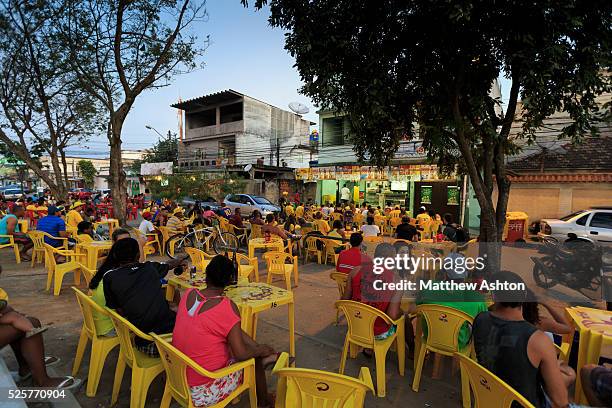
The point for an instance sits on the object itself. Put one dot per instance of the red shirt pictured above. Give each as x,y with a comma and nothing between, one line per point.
348,260
363,291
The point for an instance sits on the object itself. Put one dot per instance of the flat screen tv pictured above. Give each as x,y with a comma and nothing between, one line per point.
399,186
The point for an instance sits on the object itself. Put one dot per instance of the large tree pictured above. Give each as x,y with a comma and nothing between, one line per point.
390,64
42,108
121,48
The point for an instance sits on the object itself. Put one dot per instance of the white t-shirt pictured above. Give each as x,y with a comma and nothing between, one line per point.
345,193
364,213
146,227
370,230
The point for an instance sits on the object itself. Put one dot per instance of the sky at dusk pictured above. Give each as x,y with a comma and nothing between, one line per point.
244,54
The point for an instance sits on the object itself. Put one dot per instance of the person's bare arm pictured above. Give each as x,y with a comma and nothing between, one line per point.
348,290
541,349
280,233
240,350
558,324
11,223
63,234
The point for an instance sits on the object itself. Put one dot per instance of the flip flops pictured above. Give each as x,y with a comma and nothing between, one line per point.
50,361
36,330
69,383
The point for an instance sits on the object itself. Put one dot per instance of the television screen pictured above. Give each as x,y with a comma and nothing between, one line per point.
399,186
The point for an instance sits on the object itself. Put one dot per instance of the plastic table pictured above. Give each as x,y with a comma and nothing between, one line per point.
251,299
591,324
254,243
93,249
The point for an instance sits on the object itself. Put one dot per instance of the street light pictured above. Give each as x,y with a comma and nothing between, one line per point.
153,129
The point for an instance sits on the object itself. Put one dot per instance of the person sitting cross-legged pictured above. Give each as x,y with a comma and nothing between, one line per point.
208,331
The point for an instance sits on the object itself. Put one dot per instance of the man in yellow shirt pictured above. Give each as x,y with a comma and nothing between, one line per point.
288,210
299,211
320,224
74,215
422,217
175,223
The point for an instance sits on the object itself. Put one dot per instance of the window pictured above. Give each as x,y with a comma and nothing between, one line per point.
602,220
572,215
246,200
233,198
262,200
582,220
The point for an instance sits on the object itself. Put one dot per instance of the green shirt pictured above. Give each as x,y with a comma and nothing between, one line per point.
473,303
103,323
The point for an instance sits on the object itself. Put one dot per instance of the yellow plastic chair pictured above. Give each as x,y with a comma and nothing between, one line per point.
255,231
335,216
302,387
443,326
361,318
38,239
165,237
373,240
72,231
489,390
144,368
11,244
329,251
358,219
340,279
276,265
312,249
246,266
198,258
3,295
100,345
240,233
175,363
56,271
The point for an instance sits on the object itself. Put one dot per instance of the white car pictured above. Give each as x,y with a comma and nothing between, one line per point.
594,224
248,203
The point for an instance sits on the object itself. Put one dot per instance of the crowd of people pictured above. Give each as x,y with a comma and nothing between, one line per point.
513,339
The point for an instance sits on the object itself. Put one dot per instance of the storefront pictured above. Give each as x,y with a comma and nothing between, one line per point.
410,186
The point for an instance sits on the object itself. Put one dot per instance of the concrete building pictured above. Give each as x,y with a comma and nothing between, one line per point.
229,128
101,164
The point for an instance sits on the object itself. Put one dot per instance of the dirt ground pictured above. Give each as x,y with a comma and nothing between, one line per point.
318,340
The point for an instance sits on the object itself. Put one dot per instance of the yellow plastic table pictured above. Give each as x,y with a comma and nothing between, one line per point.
251,299
254,243
591,324
112,225
93,249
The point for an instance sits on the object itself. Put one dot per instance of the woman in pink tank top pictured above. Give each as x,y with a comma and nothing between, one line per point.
208,331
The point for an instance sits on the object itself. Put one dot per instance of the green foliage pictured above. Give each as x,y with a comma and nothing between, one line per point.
165,150
195,185
88,171
392,64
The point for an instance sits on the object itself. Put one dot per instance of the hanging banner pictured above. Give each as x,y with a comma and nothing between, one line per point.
452,195
404,172
426,194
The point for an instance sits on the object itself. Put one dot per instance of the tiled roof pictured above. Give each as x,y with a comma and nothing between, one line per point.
562,178
593,153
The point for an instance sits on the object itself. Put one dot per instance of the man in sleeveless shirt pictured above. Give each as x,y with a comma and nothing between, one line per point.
518,353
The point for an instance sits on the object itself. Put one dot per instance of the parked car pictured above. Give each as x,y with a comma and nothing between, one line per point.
594,224
208,201
12,193
247,203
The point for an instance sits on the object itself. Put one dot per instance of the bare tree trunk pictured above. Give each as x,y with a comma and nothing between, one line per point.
65,166
116,175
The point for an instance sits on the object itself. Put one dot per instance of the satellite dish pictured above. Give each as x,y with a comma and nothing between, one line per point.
299,108
248,167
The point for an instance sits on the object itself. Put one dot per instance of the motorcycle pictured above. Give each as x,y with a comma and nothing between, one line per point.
575,263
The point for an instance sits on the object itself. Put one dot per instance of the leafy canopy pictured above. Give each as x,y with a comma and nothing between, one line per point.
389,64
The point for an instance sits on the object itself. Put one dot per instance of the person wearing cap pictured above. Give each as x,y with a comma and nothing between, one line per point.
54,225
146,226
422,217
175,223
469,301
74,215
